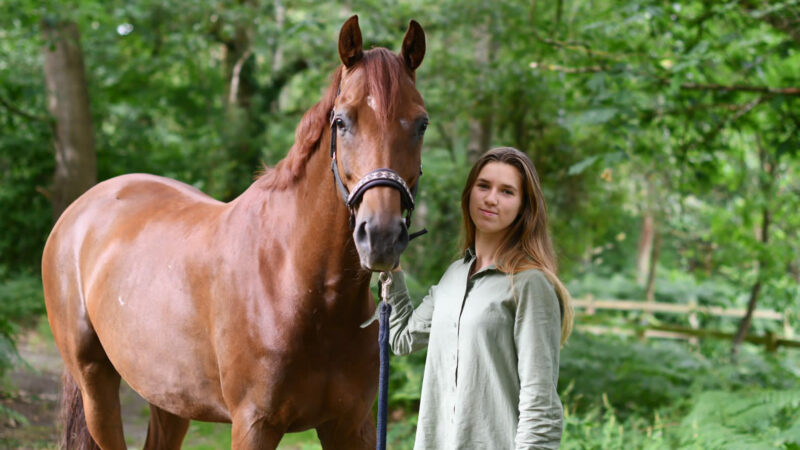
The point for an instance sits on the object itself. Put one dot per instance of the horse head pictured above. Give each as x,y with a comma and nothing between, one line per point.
377,125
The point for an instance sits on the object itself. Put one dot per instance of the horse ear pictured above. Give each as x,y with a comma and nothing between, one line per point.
413,45
350,51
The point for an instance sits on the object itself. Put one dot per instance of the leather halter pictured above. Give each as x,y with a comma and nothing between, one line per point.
377,177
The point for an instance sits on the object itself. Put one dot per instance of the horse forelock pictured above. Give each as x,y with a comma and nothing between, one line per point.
383,71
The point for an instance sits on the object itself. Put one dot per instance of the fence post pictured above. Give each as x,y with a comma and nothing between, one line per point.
590,307
694,323
771,342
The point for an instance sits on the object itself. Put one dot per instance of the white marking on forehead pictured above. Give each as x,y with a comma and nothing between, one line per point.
404,123
371,102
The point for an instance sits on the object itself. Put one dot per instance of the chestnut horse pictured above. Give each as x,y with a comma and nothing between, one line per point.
245,312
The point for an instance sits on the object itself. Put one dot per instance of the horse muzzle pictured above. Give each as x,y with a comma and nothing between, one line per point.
380,240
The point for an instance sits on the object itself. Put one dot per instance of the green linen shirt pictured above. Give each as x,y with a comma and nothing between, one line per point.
492,366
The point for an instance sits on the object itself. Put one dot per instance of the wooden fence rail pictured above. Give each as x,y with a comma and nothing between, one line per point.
770,340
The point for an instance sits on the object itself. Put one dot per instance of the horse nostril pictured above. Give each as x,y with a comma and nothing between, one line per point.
361,231
402,239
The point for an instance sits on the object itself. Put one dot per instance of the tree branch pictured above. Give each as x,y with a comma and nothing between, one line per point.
557,68
22,113
576,47
749,106
235,76
793,91
784,19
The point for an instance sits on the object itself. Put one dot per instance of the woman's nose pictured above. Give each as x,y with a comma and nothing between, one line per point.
491,197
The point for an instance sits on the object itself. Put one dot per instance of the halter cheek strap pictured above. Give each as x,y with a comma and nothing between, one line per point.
377,177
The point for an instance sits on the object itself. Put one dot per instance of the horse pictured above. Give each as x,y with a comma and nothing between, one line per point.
246,312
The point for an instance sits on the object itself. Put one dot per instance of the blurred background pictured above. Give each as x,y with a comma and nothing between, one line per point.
665,135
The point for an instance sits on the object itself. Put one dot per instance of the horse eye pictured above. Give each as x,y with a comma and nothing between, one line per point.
339,123
422,127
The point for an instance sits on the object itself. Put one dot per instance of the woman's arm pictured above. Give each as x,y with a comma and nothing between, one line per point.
537,335
409,328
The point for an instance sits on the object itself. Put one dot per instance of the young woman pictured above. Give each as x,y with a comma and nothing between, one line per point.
494,324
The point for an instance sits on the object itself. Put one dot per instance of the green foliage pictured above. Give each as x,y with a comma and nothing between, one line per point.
601,428
750,419
632,376
627,109
642,377
21,303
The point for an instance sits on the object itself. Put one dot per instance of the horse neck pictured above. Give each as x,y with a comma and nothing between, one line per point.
312,219
321,215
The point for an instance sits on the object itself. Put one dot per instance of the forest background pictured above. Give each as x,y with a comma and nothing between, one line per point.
665,135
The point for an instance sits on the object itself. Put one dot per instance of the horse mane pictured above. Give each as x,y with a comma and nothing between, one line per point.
382,69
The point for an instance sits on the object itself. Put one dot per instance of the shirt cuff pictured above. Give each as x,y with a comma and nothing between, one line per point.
398,291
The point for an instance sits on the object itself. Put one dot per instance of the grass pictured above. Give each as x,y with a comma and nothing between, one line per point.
213,436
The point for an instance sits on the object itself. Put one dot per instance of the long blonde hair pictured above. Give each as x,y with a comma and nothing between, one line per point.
527,244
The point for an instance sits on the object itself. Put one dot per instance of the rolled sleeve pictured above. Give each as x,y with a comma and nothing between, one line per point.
409,328
537,334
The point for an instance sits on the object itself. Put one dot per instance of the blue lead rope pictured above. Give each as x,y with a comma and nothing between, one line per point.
383,384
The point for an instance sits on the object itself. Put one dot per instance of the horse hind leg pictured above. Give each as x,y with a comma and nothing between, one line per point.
166,430
90,409
75,432
100,387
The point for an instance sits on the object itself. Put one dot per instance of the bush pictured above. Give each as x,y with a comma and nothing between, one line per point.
21,302
744,419
643,377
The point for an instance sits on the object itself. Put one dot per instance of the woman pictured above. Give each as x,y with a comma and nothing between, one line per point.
495,322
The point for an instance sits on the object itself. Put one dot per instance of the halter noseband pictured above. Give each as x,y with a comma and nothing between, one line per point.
377,177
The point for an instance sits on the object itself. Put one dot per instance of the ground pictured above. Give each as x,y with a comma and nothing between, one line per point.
31,392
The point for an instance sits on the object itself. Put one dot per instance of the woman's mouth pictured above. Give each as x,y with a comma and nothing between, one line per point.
487,213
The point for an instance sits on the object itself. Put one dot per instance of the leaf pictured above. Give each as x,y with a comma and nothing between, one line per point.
580,166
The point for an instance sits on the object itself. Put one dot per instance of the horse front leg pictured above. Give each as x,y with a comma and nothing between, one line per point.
166,430
254,434
348,434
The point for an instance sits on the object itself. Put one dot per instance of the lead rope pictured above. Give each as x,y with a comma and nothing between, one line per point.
385,280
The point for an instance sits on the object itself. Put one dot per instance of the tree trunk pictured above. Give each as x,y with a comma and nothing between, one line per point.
744,324
480,125
68,102
794,270
762,235
650,291
233,170
644,250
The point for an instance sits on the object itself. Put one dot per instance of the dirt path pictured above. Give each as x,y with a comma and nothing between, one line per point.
31,392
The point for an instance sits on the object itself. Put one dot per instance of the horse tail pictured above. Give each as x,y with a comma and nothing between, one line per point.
73,420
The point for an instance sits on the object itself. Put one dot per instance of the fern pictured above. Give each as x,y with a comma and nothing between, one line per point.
753,419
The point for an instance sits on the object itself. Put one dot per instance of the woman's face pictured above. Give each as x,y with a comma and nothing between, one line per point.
495,199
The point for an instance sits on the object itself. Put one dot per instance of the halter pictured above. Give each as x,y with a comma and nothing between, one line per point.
377,177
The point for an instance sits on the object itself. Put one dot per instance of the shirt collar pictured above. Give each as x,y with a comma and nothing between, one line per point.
469,258
469,254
